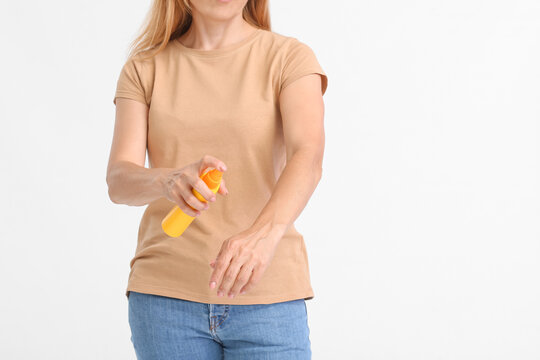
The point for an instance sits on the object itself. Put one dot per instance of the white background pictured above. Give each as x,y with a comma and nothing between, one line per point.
432,110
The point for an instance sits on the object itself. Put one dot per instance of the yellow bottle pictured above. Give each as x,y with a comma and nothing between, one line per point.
177,221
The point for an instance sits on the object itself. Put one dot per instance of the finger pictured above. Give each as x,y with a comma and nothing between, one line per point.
221,264
222,188
243,277
254,279
229,278
211,161
192,201
185,207
200,186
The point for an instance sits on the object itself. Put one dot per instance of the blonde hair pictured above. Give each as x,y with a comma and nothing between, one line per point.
169,19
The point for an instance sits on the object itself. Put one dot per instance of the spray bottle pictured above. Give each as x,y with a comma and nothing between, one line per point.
177,221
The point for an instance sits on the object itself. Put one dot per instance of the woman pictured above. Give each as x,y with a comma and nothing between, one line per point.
209,85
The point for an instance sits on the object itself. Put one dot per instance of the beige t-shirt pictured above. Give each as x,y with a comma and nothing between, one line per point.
224,103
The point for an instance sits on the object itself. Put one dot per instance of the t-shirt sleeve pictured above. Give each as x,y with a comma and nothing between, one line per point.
130,83
300,60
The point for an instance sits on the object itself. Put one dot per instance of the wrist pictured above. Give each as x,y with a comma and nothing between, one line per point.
269,229
160,181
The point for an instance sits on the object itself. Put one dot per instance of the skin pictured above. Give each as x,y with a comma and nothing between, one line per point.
243,257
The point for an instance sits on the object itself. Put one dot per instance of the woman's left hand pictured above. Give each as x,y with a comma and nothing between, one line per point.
242,260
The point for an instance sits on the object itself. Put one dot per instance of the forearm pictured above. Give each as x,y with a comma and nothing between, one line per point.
291,193
135,185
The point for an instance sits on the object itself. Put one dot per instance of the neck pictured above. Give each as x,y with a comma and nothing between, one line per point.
206,34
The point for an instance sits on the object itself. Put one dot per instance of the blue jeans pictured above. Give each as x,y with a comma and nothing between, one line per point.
164,328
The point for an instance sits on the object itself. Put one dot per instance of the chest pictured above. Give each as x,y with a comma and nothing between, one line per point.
223,106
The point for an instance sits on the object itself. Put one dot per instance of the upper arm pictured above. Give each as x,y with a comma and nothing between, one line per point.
302,114
130,132
303,84
131,123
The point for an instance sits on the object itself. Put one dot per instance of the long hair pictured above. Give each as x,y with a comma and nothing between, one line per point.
169,19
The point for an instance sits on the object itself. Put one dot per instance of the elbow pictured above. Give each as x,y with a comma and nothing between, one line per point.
316,167
113,195
111,192
319,174
318,170
318,164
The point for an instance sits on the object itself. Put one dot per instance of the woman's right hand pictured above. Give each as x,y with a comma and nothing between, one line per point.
178,185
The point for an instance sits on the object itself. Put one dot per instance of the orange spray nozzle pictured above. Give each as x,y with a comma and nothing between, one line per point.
212,178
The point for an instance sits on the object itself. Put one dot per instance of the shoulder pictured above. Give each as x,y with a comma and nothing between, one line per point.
295,59
283,45
142,61
143,67
136,78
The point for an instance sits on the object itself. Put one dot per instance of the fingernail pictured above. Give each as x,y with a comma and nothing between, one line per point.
242,292
213,198
220,293
212,284
231,295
